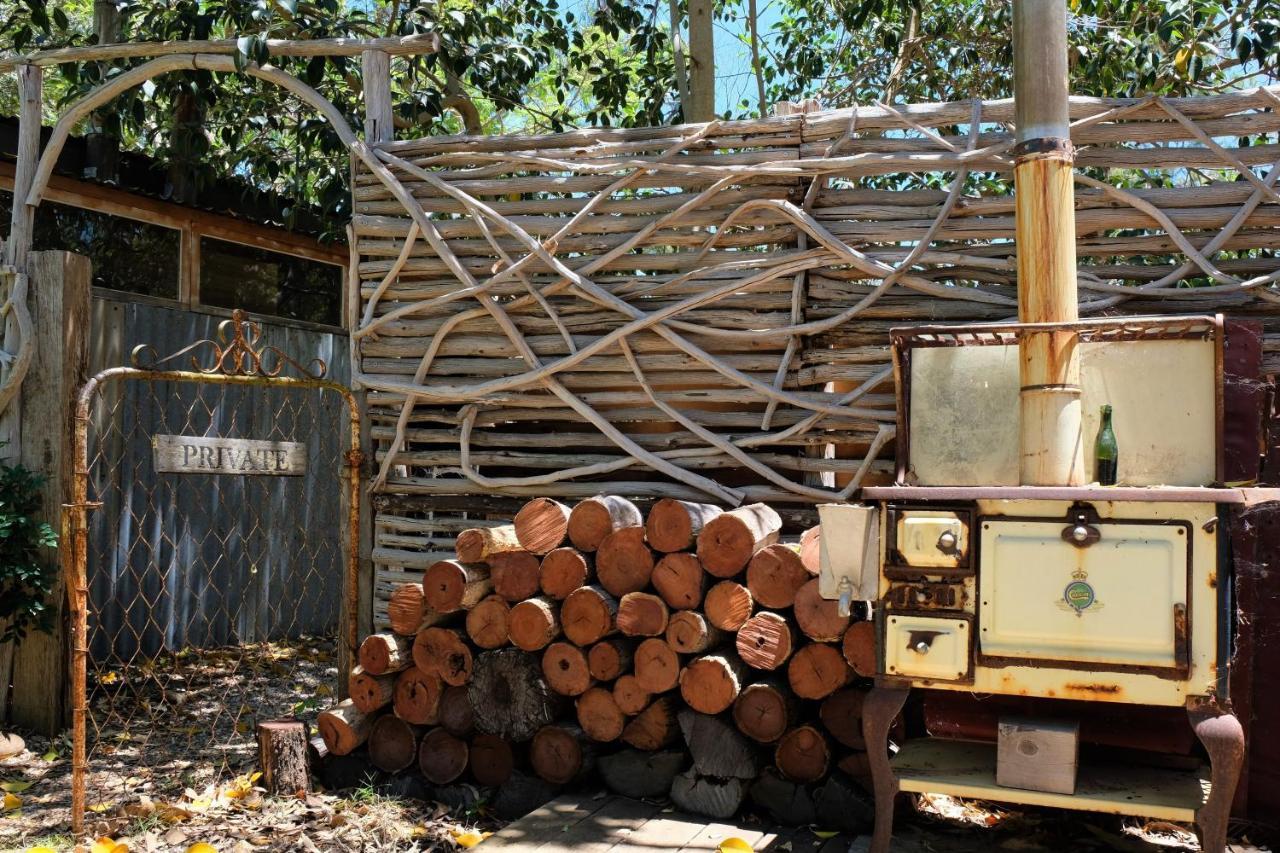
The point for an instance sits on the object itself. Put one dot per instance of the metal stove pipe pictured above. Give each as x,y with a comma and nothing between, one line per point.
1049,407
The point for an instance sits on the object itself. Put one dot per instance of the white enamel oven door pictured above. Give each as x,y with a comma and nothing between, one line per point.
1118,604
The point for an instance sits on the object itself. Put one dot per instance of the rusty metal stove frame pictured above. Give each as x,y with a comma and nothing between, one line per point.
235,359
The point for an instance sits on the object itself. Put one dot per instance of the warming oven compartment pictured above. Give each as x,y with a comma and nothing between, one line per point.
1112,595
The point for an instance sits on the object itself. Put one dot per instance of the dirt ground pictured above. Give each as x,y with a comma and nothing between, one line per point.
175,764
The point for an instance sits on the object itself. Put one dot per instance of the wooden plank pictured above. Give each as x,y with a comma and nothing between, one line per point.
599,831
714,833
556,817
661,834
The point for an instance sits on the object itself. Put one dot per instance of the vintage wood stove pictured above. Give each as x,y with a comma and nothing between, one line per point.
998,566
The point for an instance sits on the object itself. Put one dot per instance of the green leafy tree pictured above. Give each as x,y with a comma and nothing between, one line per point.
26,580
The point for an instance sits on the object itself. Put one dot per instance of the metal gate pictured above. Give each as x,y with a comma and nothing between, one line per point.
209,586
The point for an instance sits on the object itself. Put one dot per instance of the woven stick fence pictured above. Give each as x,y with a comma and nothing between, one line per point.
703,311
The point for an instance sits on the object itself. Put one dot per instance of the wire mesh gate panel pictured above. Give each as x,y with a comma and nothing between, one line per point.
212,564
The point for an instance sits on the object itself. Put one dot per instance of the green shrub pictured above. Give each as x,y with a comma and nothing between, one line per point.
26,581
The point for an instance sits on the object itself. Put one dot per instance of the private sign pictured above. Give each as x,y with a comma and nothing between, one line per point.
182,454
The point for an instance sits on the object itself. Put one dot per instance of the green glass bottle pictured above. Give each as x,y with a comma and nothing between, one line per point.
1105,452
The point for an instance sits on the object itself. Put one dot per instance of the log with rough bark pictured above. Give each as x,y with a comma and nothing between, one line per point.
417,696
765,710
487,622
478,544
456,717
599,716
710,683
624,563
442,757
674,525
588,615
802,755
370,692
515,575
680,580
630,695
765,641
817,617
385,653
859,648
450,585
564,570
564,665
509,696
708,796
491,759
344,727
407,610
542,525
560,753
595,518
654,727
786,802
283,757
642,614
534,623
817,671
716,747
775,574
841,715
610,658
689,632
657,666
637,774
443,652
728,605
393,744
729,540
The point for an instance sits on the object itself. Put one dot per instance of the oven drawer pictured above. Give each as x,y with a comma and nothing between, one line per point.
929,647
930,539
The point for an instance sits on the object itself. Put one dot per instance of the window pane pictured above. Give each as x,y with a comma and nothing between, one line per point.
236,276
133,256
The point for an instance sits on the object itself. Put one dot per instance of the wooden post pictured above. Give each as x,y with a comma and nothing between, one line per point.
60,305
379,125
702,61
1050,423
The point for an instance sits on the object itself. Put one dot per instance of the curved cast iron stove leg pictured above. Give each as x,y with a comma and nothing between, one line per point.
1223,739
879,710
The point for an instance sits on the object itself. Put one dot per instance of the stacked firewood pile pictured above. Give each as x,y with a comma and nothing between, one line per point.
687,654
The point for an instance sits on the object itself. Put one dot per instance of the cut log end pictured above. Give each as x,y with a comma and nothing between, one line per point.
542,525
859,648
443,652
765,641
344,727
449,585
764,712
689,632
384,653
442,758
630,695
802,755
487,622
509,696
515,575
556,753
817,670
624,563
456,716
492,759
417,697
654,727
674,525
610,658
534,623
406,609
599,715
657,666
711,683
478,544
817,617
728,605
595,518
370,692
587,615
642,614
562,571
393,744
729,540
775,574
680,580
564,665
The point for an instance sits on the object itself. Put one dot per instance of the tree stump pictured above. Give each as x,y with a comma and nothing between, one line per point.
637,774
595,518
516,575
599,716
542,525
765,641
680,580
478,544
492,759
642,614
588,615
393,744
775,574
417,697
564,570
689,632
565,667
283,757
730,539
728,605
509,696
817,671
624,563
610,658
385,653
657,666
674,525
818,618
710,684
344,727
764,711
442,757
534,623
449,585
487,622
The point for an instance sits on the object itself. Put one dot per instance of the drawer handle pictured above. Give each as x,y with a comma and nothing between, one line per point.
921,642
948,542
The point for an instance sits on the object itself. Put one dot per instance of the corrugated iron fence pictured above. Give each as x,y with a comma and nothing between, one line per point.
210,578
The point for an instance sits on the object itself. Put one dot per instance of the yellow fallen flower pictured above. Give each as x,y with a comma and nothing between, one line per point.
11,802
733,844
469,838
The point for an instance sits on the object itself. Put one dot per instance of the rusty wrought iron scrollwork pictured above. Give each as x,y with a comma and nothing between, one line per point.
236,352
